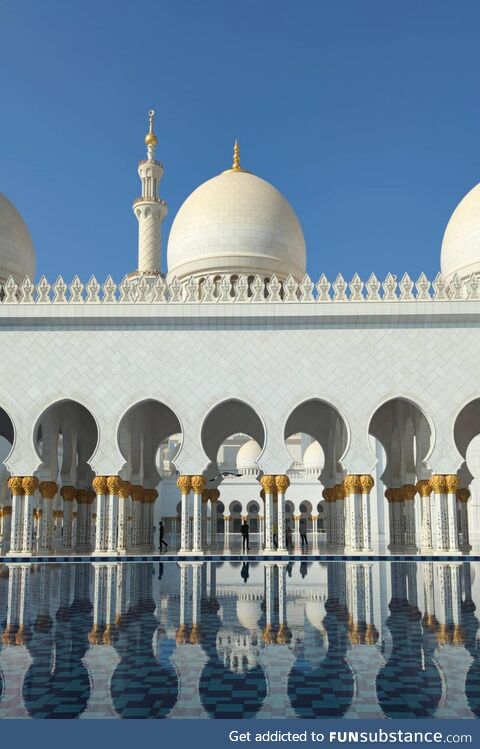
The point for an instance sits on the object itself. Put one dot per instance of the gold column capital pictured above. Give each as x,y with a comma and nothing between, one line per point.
150,495
409,491
452,483
339,492
68,493
30,484
137,492
366,482
198,484
268,484
15,484
48,489
439,484
213,495
282,482
394,494
125,490
327,494
424,488
114,483
184,483
463,495
100,485
352,484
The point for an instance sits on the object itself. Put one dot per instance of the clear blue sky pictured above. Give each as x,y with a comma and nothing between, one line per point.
365,114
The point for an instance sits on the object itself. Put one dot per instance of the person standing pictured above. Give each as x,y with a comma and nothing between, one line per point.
245,531
161,530
303,533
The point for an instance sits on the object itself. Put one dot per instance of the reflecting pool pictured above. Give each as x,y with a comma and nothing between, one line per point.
240,640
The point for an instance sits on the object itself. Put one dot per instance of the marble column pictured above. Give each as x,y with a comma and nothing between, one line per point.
439,486
452,485
214,494
149,514
205,497
184,483
315,532
138,493
198,487
282,483
30,485
268,485
463,495
48,490
6,528
113,485
296,531
68,494
424,488
100,487
329,515
394,497
226,532
408,493
123,513
85,498
366,485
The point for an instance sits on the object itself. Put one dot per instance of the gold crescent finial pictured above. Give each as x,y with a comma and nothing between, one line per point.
236,156
151,138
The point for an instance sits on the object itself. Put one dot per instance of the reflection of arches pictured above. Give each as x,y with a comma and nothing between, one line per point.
141,431
226,419
65,438
218,684
323,423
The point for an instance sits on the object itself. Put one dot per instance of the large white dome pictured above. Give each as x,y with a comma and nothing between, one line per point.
236,223
461,241
247,455
17,256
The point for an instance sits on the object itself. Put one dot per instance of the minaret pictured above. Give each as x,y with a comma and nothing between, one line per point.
150,210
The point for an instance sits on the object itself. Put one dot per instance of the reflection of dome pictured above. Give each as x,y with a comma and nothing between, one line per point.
461,241
313,456
236,223
249,613
247,455
17,256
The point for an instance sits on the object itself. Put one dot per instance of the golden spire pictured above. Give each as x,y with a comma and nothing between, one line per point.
151,138
236,157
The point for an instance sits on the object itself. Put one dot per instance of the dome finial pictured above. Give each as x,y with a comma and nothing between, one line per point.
236,156
150,138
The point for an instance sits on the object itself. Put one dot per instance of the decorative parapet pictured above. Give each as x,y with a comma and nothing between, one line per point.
240,290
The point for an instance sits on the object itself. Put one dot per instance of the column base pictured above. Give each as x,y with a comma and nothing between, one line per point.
349,550
466,548
275,552
190,553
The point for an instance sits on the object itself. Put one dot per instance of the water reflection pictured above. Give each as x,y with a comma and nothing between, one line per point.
233,640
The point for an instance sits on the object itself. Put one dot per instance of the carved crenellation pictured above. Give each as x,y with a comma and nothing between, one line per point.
240,289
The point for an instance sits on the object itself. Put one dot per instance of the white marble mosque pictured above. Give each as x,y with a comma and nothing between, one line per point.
234,386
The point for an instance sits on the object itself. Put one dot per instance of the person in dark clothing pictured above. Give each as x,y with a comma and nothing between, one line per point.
244,530
161,529
303,533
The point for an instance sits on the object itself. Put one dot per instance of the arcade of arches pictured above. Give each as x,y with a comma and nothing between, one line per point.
63,506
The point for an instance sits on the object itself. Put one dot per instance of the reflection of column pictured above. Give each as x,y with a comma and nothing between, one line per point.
268,485
409,491
100,486
424,488
30,484
123,511
184,483
463,495
439,486
269,602
196,601
282,594
198,487
113,484
282,483
214,495
68,494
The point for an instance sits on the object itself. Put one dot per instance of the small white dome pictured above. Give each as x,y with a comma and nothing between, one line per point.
17,256
313,456
249,613
247,455
461,241
236,223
